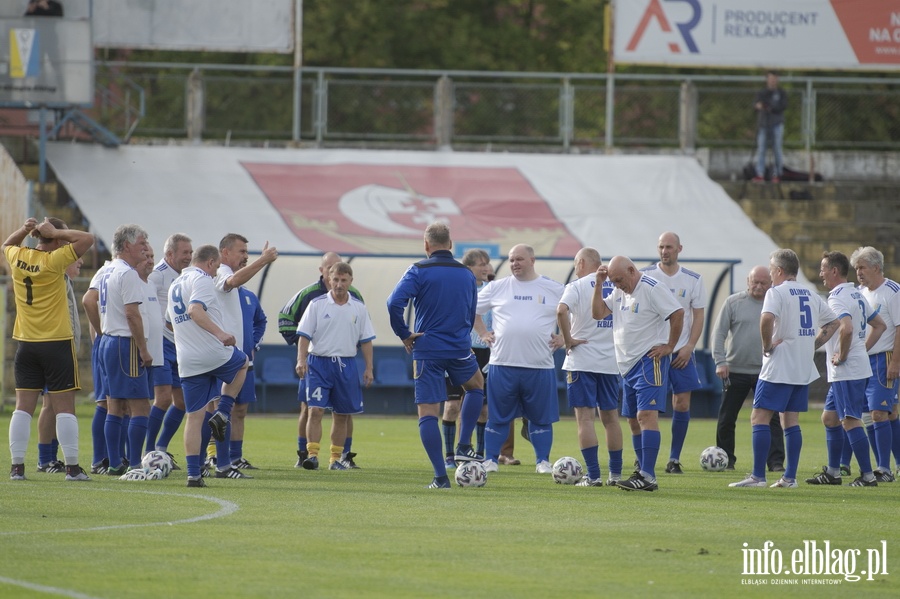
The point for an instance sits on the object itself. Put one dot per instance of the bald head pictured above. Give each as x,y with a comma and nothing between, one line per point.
623,273
669,247
587,261
521,262
758,282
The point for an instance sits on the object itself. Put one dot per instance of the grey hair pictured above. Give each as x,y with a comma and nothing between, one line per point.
173,241
438,234
205,253
787,260
127,234
869,255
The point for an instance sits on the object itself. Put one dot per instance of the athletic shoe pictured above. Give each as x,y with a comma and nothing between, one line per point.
100,467
776,468
750,481
637,482
232,472
76,472
823,478
590,482
465,453
613,480
860,482
211,462
17,472
347,458
508,460
776,180
122,469
783,483
449,462
301,456
311,463
52,467
491,466
674,467
196,482
544,467
175,465
439,484
218,424
337,465
205,472
884,477
758,179
243,464
845,471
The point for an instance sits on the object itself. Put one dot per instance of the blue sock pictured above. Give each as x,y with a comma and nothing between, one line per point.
45,453
154,423
846,450
895,440
226,402
431,441
223,450
123,438
882,447
870,434
592,461
638,448
112,430
495,434
301,443
680,421
541,440
793,443
171,421
205,435
348,444
860,443
650,441
137,435
479,438
834,445
54,449
448,428
237,450
761,439
193,465
615,462
98,436
469,412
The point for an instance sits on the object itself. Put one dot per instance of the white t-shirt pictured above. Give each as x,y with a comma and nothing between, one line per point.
524,317
123,286
846,300
599,353
97,281
151,313
886,302
335,330
640,320
198,351
799,314
231,305
687,287
162,276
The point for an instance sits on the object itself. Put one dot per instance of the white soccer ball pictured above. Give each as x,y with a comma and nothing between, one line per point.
471,474
158,460
567,471
713,459
155,474
136,474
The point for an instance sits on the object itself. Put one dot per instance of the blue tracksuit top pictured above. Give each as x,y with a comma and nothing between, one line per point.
444,295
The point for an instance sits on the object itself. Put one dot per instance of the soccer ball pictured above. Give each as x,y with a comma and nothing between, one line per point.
136,474
471,474
713,459
157,460
567,471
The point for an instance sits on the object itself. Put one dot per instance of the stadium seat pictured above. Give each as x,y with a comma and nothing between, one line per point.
276,371
392,372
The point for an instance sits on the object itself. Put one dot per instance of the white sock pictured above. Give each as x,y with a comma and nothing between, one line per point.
67,433
19,433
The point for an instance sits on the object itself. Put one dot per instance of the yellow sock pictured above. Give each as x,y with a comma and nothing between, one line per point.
211,449
336,451
313,449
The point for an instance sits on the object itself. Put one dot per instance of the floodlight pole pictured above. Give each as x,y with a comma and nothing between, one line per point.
42,147
298,64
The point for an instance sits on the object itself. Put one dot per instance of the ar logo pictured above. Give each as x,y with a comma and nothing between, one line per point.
655,11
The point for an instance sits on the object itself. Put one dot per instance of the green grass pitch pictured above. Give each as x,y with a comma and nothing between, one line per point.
377,532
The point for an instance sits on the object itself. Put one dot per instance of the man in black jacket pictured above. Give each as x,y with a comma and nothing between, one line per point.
770,105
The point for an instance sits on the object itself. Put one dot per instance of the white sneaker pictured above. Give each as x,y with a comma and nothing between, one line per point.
490,466
784,484
544,467
750,481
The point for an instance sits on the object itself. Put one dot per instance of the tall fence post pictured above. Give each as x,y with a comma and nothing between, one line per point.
687,117
566,110
194,103
610,110
443,112
321,108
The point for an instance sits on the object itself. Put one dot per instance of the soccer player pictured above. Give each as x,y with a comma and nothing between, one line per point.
795,322
443,294
46,355
254,322
593,381
91,302
687,287
883,296
167,411
523,375
123,347
151,313
288,319
330,330
848,372
206,354
647,325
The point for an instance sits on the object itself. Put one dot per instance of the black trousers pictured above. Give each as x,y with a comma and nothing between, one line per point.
743,385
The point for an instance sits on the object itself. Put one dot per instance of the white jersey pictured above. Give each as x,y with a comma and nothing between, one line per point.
123,286
846,300
885,300
599,353
524,317
162,276
96,282
687,287
152,315
799,314
640,320
231,305
335,330
198,351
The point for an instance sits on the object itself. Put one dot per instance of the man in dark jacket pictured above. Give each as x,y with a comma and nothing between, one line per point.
770,105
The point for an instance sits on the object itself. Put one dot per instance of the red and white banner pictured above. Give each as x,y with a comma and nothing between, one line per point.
803,34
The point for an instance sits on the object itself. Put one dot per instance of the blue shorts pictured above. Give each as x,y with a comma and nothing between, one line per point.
200,388
593,390
514,391
167,372
878,395
248,391
646,386
301,390
682,380
781,397
125,375
97,371
334,383
429,376
846,398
